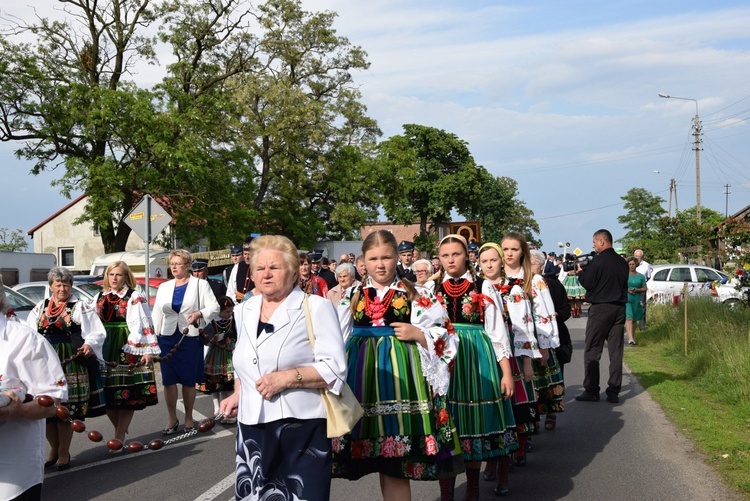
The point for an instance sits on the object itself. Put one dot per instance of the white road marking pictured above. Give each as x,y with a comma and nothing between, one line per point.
217,489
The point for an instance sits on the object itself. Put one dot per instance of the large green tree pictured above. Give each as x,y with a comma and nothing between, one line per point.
195,140
299,114
643,209
500,211
426,174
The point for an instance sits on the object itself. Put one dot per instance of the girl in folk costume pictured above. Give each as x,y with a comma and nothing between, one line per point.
481,381
130,345
310,283
221,335
531,314
398,355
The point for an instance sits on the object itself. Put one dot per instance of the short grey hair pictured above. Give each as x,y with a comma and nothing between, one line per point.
537,256
347,266
59,274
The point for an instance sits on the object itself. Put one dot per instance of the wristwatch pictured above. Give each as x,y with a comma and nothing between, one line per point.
299,377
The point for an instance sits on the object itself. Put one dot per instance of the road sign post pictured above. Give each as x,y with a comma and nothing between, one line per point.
146,219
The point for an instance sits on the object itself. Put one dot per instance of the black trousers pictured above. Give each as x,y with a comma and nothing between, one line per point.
606,322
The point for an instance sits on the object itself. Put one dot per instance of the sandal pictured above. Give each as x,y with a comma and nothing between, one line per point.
550,422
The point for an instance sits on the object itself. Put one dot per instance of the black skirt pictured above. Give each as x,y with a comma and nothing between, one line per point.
284,460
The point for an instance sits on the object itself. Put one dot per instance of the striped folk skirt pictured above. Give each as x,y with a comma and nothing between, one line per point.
85,389
573,287
125,387
218,371
484,418
406,432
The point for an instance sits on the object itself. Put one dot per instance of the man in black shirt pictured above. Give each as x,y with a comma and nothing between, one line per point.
606,284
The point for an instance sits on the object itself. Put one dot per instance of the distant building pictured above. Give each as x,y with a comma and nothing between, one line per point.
74,245
471,230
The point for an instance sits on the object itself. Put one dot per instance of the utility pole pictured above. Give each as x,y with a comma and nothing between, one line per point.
697,148
673,190
726,203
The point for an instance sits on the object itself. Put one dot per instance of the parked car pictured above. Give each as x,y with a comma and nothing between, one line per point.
153,285
19,303
36,291
669,279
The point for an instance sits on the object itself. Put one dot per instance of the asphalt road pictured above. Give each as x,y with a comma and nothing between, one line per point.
599,451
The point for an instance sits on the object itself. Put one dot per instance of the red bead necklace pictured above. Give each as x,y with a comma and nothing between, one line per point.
458,289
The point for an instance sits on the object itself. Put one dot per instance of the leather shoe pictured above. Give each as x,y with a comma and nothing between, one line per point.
587,397
173,429
63,466
50,463
613,399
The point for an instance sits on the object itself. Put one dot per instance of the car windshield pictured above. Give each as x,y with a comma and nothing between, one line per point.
17,301
89,288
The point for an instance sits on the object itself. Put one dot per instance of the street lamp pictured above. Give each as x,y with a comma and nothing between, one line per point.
564,246
697,148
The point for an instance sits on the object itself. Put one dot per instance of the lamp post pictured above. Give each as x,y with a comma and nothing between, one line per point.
697,148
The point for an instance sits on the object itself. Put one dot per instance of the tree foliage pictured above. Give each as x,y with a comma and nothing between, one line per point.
500,211
12,240
247,129
643,210
427,173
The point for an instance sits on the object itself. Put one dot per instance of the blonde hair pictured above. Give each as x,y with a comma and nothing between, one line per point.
129,278
182,254
278,243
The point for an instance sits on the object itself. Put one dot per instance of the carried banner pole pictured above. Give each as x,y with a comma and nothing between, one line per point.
148,244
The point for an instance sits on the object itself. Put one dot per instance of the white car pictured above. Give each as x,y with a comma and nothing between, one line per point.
668,280
21,305
36,291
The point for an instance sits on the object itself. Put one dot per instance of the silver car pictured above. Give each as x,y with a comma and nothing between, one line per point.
36,291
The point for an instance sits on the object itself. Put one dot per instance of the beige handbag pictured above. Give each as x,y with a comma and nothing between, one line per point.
342,411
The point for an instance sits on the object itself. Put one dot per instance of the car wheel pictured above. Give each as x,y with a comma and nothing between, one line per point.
733,303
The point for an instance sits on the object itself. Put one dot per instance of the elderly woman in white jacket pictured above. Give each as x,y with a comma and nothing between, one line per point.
282,447
182,306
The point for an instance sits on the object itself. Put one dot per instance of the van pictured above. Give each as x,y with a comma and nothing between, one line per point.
136,261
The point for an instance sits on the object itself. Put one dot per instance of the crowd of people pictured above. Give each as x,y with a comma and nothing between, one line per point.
455,360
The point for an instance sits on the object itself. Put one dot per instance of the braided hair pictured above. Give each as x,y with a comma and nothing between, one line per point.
467,262
376,239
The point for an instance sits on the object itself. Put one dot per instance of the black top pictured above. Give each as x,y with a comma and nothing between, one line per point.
562,307
606,278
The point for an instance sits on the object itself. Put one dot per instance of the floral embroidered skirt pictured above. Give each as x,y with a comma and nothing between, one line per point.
125,387
549,384
484,418
573,287
285,460
85,391
218,371
406,432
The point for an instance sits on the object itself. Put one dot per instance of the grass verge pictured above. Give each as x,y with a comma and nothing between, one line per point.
705,393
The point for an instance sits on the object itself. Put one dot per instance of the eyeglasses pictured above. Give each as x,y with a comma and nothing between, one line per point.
421,271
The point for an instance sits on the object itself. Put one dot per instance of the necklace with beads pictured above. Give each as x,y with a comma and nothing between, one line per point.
110,306
55,311
456,289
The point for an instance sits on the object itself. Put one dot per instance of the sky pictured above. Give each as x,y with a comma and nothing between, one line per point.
560,96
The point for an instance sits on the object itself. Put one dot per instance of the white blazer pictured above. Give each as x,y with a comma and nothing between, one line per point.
287,347
198,296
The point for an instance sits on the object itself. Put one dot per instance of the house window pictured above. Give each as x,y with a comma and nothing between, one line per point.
67,257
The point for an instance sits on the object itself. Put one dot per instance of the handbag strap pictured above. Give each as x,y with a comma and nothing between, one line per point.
308,319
